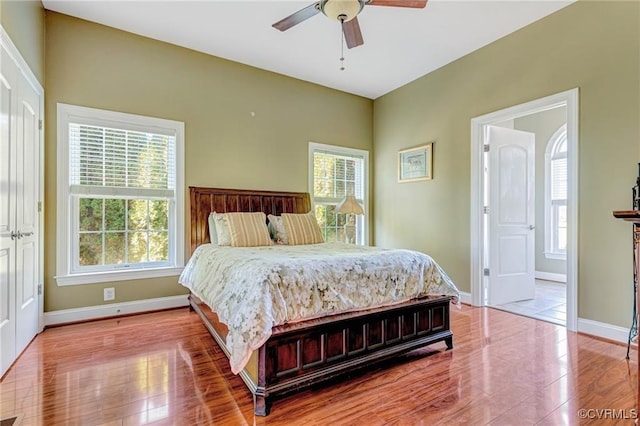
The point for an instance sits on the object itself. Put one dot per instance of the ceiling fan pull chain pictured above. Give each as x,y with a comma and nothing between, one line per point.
342,43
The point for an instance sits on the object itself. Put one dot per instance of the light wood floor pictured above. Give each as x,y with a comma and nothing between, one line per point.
163,368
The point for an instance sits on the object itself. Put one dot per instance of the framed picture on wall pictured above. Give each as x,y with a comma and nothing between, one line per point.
416,163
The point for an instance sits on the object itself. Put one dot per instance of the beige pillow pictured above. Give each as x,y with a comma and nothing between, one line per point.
248,229
222,228
302,228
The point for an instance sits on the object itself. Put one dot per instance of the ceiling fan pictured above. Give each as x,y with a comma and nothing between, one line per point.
345,12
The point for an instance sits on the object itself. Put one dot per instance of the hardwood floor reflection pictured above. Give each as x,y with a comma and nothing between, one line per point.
164,369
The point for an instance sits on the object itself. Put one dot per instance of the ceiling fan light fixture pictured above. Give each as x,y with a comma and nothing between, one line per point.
337,9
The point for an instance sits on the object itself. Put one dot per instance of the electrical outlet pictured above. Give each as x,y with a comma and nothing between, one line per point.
109,293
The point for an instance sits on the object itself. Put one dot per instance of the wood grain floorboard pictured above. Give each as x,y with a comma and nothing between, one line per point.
163,368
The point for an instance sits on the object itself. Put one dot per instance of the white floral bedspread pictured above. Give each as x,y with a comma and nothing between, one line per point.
253,289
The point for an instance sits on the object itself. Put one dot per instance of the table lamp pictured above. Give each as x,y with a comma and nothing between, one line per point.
350,207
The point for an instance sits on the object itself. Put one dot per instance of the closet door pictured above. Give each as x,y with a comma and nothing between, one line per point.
20,112
8,73
27,220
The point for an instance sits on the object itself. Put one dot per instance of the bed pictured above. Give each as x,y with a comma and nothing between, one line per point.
302,353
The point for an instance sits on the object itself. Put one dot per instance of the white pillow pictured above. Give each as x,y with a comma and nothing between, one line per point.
212,229
278,226
221,226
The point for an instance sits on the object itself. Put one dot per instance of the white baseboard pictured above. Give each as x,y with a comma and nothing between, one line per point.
549,276
113,309
586,326
603,330
465,297
594,328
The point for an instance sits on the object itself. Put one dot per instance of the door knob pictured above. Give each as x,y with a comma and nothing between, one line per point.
25,234
531,227
15,236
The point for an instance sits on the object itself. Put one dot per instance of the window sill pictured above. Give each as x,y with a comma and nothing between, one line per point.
110,276
555,256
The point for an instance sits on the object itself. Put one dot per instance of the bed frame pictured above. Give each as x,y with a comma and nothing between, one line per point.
302,354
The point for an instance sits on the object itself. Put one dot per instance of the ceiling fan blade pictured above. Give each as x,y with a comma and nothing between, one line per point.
417,4
352,33
299,16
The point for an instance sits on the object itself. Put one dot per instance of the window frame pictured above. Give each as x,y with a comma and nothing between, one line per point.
361,220
66,249
551,207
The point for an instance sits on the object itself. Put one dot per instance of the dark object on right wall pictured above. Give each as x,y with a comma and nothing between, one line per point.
634,217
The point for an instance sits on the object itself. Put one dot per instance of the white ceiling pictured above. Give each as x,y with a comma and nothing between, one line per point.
400,44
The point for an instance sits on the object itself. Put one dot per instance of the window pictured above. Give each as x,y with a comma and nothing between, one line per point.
335,172
556,195
120,196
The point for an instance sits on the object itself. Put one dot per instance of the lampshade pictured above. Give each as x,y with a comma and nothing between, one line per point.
349,205
334,8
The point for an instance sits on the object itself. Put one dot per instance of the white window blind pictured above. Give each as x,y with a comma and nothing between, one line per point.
338,175
559,178
107,161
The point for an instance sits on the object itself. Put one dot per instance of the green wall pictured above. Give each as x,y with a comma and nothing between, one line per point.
592,45
23,20
101,67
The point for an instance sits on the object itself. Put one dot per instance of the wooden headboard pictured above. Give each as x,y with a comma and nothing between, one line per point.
206,200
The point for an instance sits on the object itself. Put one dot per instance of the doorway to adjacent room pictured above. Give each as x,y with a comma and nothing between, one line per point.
524,200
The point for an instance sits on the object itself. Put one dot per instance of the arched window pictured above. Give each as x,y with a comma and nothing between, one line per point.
556,195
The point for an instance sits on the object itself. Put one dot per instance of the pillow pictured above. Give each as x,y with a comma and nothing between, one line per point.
248,229
221,225
302,228
272,232
280,234
212,229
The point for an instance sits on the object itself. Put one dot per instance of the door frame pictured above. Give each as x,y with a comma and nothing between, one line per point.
23,67
570,98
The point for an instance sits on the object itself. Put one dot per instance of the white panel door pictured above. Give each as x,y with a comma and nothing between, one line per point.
511,215
8,74
27,220
20,112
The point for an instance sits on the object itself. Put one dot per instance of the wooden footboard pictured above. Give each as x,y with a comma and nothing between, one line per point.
303,354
